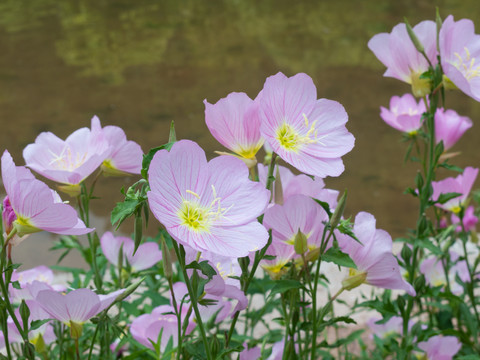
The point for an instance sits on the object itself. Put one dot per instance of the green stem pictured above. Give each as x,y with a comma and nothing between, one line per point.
193,299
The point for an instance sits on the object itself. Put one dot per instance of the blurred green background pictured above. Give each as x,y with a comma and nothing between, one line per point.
141,64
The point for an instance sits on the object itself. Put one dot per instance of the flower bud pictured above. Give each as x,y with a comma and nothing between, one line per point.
416,42
338,213
355,279
8,215
300,243
167,262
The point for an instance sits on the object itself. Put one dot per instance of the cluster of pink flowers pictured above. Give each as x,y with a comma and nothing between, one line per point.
459,52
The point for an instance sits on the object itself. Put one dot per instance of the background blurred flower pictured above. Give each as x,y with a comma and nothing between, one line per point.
147,254
440,347
404,114
449,127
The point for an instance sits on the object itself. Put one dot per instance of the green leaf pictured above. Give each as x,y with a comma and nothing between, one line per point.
204,267
429,245
123,210
282,286
324,205
451,167
443,198
147,158
346,227
336,256
37,323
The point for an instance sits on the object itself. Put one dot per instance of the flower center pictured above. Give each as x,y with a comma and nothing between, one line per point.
293,139
466,65
199,218
66,160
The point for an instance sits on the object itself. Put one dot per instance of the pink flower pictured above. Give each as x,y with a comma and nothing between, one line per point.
67,161
307,133
123,156
283,254
403,61
43,334
460,54
432,269
375,262
392,326
147,254
32,281
235,122
299,185
405,114
208,206
253,353
36,206
76,307
440,347
146,328
462,184
449,127
298,213
469,220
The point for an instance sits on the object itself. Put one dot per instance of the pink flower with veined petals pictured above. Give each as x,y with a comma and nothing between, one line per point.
123,156
76,307
208,206
405,114
462,184
440,347
432,269
69,161
460,54
449,127
147,254
298,213
235,122
403,61
36,206
33,281
375,262
307,133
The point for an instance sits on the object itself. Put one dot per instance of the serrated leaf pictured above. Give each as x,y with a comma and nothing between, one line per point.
336,256
204,267
123,210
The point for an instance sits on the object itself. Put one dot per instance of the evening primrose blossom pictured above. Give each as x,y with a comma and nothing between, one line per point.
375,262
208,206
460,54
235,122
307,133
403,61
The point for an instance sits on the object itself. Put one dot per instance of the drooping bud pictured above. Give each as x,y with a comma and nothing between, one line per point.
71,190
300,243
355,279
